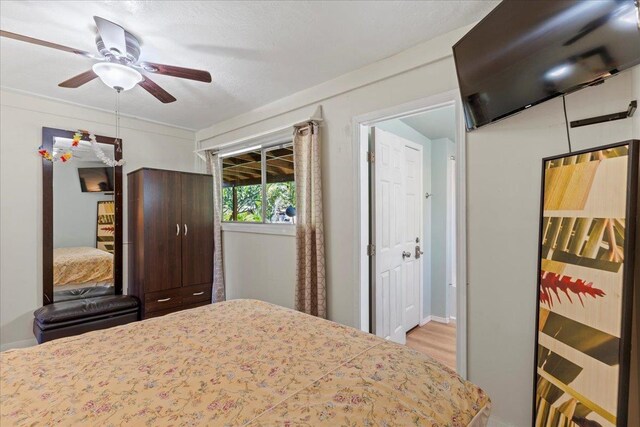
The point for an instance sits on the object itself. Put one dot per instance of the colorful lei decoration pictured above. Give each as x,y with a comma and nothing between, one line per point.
76,139
45,154
67,155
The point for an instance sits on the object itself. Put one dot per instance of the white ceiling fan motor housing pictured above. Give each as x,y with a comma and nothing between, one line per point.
132,54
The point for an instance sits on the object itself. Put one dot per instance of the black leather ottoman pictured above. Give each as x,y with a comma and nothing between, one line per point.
89,292
67,318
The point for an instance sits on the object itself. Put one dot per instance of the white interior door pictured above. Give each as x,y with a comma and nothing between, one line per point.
389,195
412,218
398,222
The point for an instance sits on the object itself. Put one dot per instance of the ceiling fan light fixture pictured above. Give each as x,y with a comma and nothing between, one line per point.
120,68
117,76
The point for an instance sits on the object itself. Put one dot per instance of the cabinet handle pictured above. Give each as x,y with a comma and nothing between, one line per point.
195,294
164,299
177,229
186,229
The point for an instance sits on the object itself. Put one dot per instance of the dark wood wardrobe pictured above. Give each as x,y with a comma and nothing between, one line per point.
170,240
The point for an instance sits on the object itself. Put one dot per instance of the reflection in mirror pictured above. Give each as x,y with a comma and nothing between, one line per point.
83,223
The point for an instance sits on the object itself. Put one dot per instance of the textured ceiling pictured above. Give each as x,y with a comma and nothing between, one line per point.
435,124
257,52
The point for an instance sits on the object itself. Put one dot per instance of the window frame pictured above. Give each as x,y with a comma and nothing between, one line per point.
263,226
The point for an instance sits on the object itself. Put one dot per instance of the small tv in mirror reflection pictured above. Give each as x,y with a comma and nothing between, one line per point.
96,180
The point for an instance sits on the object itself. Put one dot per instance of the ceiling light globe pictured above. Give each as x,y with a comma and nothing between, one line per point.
117,76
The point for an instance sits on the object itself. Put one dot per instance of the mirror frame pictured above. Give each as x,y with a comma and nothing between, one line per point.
48,134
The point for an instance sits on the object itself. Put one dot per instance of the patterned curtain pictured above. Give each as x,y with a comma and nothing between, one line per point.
311,290
213,167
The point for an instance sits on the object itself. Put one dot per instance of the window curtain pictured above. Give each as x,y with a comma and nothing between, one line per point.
311,293
214,168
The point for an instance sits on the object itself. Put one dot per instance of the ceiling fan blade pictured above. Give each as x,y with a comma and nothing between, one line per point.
171,70
155,90
112,36
44,43
79,80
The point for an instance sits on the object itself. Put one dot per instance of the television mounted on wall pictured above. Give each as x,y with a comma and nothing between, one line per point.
96,180
526,52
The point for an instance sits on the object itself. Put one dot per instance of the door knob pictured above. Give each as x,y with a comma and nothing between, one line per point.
406,254
418,252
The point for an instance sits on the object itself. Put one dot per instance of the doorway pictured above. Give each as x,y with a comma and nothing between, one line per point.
412,228
396,230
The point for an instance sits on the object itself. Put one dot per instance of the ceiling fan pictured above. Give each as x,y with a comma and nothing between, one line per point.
119,66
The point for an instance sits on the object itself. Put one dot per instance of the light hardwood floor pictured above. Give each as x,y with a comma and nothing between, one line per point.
437,340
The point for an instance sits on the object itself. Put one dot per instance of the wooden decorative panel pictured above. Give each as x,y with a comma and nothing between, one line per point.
585,285
106,226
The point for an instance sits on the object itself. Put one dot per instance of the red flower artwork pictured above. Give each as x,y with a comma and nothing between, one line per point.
554,282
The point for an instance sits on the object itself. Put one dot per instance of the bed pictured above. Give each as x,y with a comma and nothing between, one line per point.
240,362
79,267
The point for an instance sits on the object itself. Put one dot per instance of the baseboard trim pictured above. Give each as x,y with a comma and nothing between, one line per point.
18,344
425,320
452,317
440,319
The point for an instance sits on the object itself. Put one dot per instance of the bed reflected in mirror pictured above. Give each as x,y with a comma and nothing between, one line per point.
83,223
81,211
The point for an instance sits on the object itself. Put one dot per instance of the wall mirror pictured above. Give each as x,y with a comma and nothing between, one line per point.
82,219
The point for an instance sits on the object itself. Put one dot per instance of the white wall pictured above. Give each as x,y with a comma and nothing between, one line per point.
503,196
22,118
398,127
504,172
442,149
260,266
75,214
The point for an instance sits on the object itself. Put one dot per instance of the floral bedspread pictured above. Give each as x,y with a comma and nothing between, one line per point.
81,265
240,362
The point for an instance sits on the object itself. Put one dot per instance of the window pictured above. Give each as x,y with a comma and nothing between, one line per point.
255,176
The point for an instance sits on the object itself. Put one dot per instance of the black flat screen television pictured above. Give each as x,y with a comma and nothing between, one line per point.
96,180
526,52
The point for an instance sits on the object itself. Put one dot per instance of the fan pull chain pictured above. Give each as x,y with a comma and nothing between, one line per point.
118,147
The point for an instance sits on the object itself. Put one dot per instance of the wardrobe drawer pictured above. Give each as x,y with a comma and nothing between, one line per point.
196,293
162,300
175,309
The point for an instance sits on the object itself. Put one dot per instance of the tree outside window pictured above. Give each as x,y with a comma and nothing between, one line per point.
251,177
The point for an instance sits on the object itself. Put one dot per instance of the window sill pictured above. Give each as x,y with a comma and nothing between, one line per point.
277,229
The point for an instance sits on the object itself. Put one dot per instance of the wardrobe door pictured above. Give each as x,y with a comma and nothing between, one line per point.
197,223
162,230
197,229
